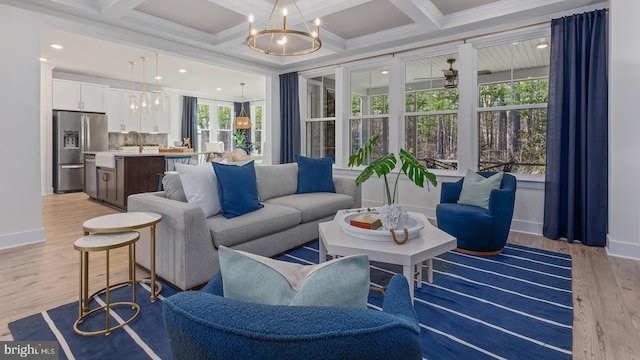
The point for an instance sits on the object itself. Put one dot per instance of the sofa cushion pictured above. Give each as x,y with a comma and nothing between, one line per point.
172,186
340,282
262,222
237,189
276,180
315,175
315,206
200,187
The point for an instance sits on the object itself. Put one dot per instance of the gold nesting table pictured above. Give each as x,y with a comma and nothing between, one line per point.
129,221
105,242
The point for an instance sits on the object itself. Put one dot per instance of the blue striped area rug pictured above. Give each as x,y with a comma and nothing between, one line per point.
143,338
516,305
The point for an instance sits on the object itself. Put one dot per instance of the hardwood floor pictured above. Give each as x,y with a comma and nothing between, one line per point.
33,278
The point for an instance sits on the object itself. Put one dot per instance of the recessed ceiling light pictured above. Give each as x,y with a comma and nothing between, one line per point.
182,70
514,43
384,72
542,43
56,46
43,59
219,89
158,77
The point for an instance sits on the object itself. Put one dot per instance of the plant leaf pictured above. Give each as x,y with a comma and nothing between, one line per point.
415,171
363,153
380,167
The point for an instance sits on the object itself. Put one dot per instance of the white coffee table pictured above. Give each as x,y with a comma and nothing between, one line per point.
431,243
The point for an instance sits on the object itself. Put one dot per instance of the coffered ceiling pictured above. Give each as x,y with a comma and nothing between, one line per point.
212,32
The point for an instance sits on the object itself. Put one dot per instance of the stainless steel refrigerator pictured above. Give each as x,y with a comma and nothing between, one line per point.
73,134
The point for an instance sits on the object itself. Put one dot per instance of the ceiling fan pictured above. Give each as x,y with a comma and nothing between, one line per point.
450,76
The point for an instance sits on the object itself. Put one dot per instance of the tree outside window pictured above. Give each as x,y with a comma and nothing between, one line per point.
369,109
431,119
512,109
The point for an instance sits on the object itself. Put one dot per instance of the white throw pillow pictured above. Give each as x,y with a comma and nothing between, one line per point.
200,186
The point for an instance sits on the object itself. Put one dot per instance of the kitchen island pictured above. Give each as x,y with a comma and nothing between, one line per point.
112,176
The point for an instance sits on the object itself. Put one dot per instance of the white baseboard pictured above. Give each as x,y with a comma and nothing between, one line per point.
622,249
22,238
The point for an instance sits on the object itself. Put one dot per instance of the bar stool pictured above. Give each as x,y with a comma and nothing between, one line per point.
105,242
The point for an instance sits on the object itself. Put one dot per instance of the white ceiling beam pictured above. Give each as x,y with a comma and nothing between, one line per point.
116,9
422,12
499,9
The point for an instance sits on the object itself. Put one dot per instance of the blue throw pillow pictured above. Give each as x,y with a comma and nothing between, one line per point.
340,282
315,175
237,189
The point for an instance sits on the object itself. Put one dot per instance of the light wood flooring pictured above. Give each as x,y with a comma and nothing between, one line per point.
33,278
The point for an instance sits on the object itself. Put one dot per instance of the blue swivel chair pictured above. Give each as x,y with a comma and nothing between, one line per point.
479,231
205,325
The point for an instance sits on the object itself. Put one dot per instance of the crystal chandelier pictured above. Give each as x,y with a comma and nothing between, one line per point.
288,42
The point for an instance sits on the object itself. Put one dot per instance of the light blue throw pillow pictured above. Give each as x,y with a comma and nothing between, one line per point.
476,189
340,282
315,175
237,189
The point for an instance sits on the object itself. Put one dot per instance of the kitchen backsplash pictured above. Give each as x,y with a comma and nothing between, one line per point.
116,139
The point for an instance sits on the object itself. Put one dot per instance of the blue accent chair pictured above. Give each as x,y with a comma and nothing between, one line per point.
205,325
479,231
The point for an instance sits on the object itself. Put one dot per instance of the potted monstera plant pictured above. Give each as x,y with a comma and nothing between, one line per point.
391,214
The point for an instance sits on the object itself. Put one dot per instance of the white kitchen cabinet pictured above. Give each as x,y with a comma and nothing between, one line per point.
115,110
78,96
122,119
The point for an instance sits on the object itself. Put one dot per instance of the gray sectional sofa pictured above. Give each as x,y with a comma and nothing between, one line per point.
187,242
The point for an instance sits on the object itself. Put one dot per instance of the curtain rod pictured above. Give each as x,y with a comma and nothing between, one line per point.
227,101
463,40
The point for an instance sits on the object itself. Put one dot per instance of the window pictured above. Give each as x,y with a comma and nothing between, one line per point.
204,122
256,129
224,126
214,123
369,108
320,122
512,107
431,113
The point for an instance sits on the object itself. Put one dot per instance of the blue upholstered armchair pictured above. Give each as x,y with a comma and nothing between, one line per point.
478,230
205,325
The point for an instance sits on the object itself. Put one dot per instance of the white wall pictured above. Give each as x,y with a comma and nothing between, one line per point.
624,130
21,203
